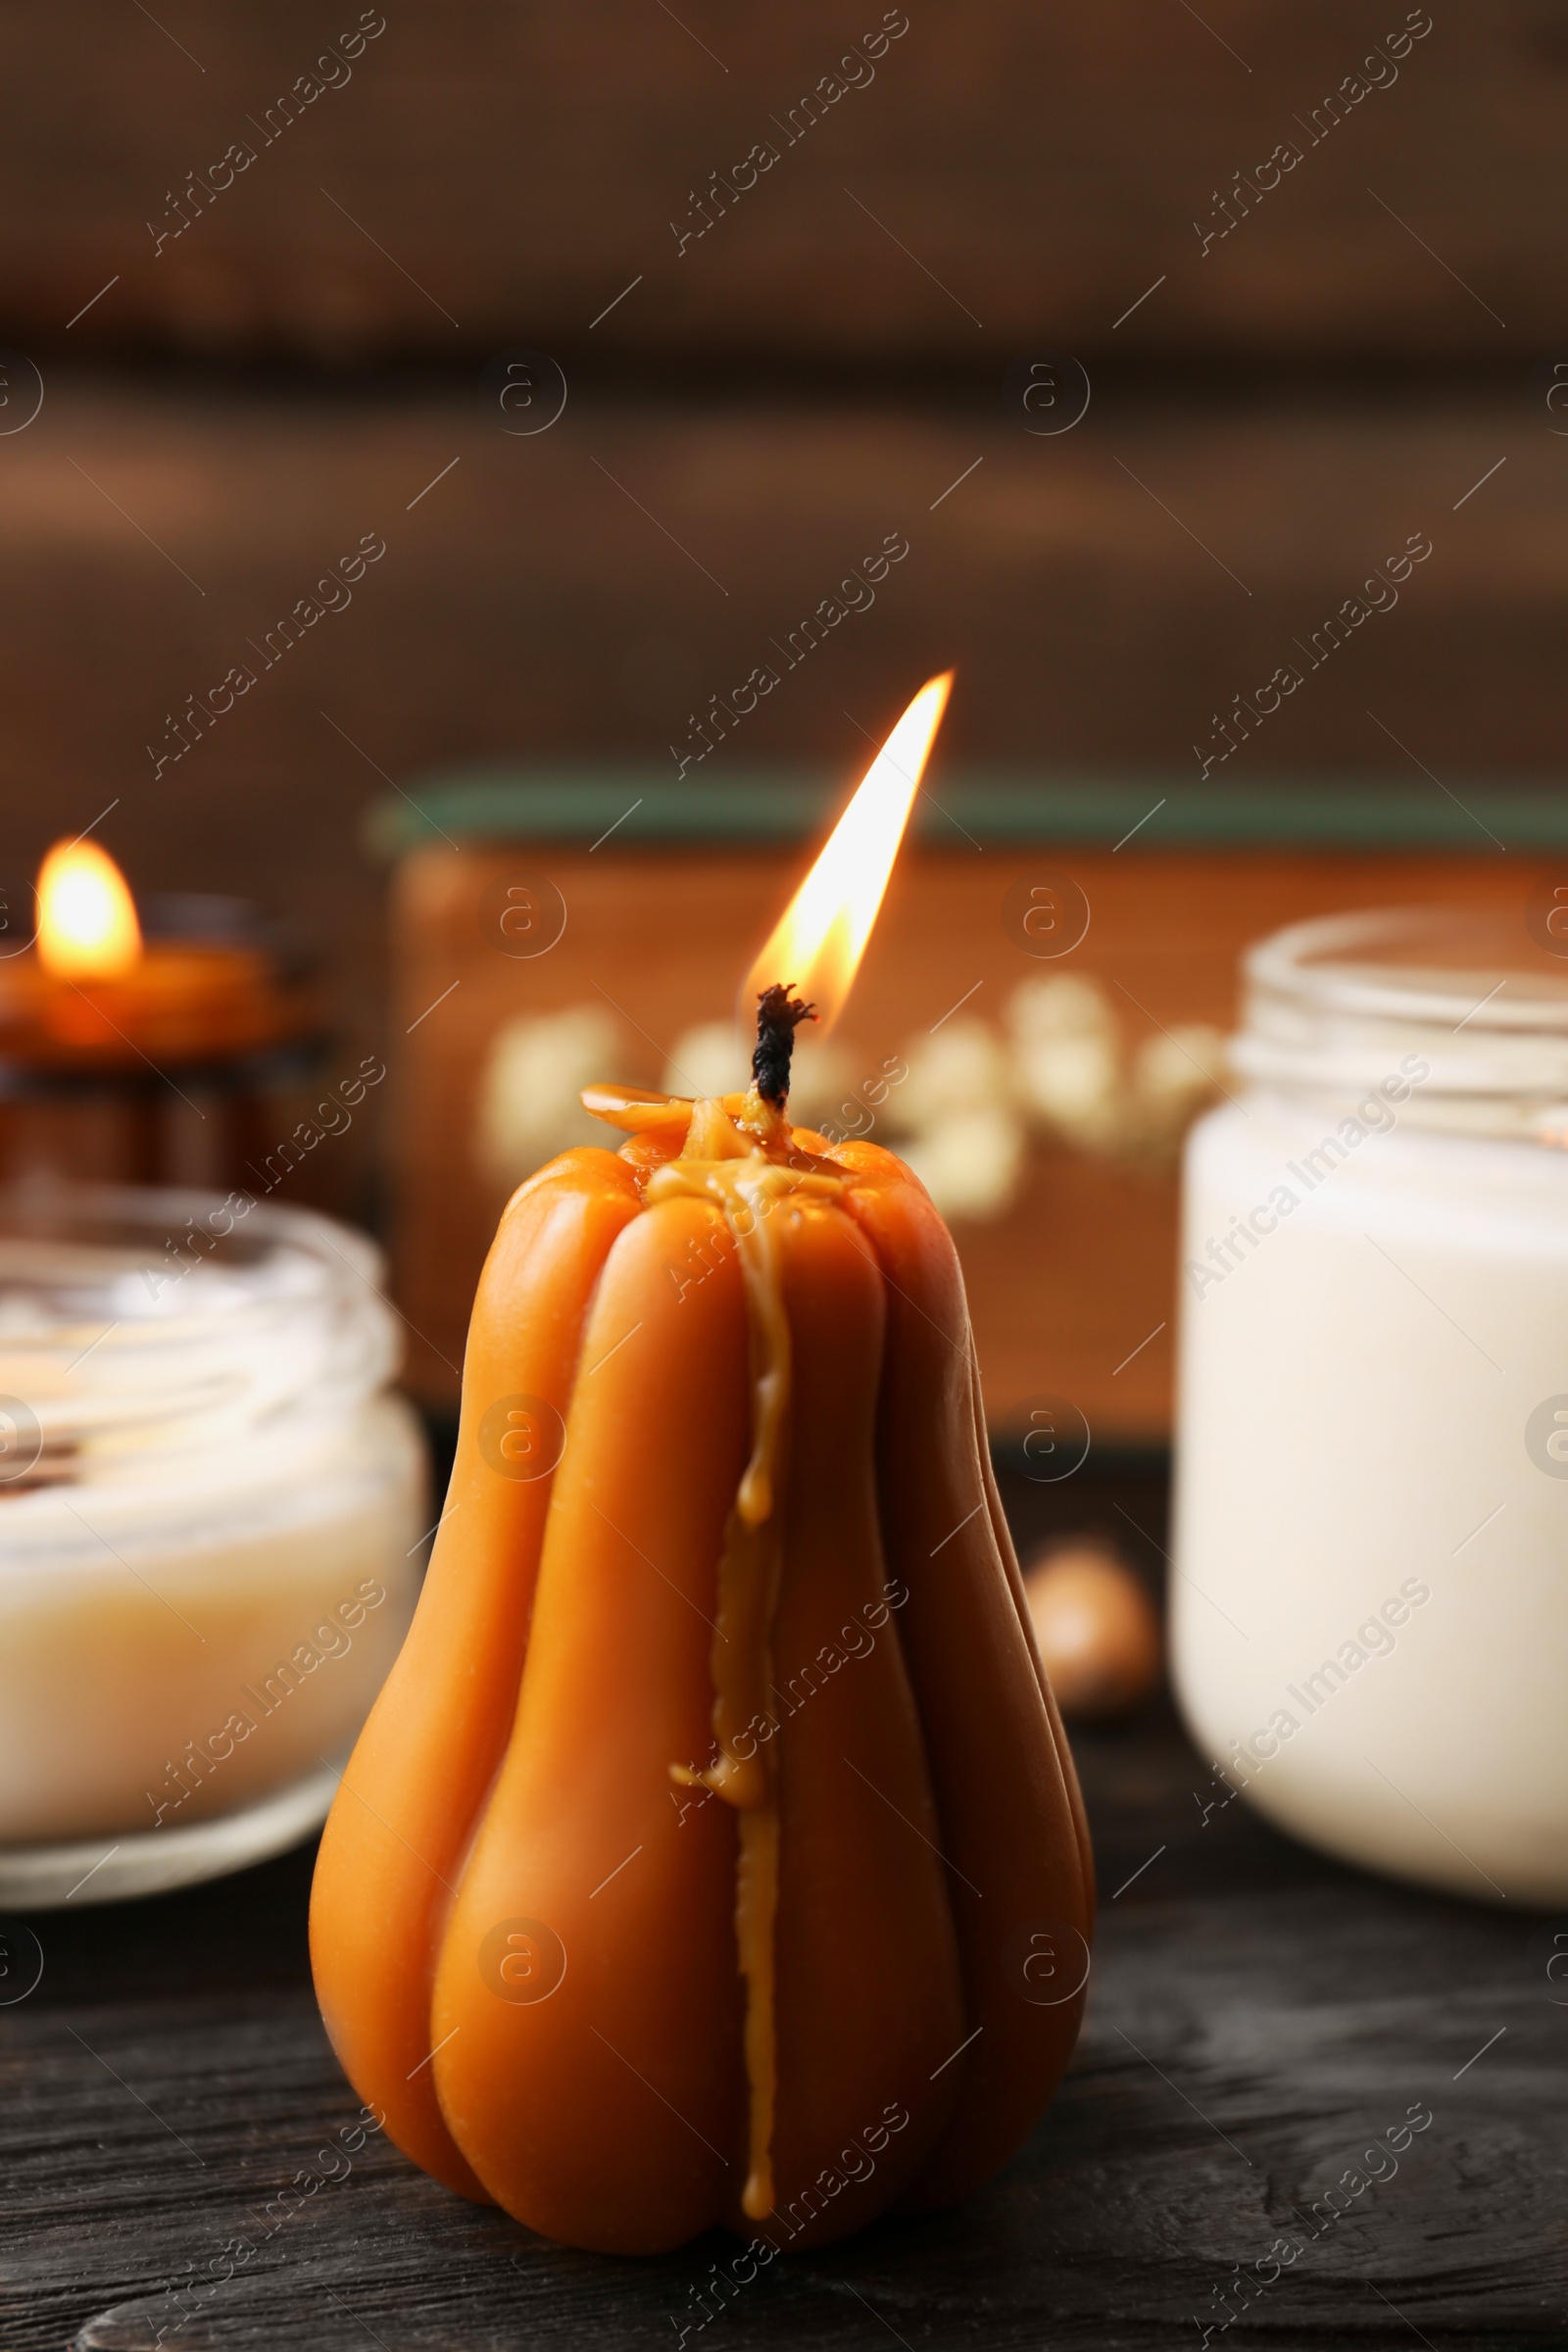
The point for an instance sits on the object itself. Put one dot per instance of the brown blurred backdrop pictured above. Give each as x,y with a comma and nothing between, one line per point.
247,366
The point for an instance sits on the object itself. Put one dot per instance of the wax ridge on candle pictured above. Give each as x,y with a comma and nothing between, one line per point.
729,1157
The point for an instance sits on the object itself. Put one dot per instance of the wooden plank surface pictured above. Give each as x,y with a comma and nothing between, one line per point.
1257,2018
984,182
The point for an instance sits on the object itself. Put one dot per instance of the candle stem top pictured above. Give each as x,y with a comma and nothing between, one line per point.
778,1015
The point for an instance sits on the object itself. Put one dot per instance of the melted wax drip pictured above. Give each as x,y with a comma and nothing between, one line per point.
735,1157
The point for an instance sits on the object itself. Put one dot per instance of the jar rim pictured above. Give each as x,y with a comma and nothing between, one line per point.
1460,1010
101,1215
1314,963
138,1324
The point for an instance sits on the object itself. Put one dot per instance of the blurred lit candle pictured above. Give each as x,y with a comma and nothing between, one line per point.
101,1029
93,994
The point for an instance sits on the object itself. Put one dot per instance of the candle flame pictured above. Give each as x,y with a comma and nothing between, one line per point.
817,944
87,927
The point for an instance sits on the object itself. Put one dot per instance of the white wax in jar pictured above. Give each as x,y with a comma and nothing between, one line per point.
210,1512
1370,1614
179,1655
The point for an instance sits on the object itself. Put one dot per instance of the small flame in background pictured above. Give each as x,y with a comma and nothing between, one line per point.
87,927
817,944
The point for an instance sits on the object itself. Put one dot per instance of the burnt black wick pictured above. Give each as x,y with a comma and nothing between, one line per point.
777,1016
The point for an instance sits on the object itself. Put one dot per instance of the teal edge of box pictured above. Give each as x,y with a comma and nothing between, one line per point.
584,806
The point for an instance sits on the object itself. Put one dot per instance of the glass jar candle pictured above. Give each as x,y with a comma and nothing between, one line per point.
1370,1603
211,1514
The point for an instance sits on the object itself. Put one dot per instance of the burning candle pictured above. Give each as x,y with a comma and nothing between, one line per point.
105,1032
713,1854
94,996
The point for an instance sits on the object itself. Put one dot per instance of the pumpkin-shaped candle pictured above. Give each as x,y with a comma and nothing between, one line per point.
714,1854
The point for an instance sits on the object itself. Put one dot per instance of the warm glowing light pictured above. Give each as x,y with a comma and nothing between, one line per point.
87,927
819,940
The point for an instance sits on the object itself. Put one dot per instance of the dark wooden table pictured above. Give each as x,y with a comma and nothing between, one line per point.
1259,2020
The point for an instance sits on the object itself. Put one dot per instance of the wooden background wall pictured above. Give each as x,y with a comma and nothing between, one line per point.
229,410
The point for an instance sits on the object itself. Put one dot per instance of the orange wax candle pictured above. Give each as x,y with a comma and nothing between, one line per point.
92,999
713,1854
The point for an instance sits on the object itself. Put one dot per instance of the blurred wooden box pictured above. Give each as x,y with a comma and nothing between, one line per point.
1072,1287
